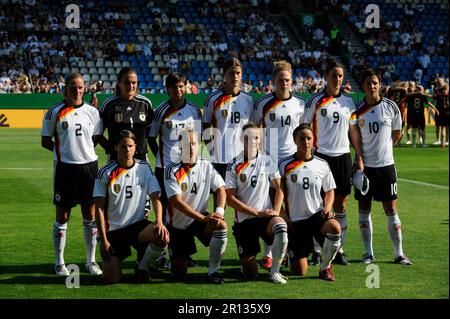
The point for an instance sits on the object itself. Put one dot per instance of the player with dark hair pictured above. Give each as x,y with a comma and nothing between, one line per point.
441,101
120,192
331,115
225,112
309,216
188,184
70,130
127,110
279,113
379,120
416,102
171,117
397,93
248,179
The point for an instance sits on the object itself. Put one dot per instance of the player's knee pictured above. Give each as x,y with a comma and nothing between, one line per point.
299,268
221,225
249,268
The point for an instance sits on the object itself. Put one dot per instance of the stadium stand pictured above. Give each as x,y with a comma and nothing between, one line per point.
195,37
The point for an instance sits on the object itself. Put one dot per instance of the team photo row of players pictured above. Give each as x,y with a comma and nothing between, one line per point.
283,164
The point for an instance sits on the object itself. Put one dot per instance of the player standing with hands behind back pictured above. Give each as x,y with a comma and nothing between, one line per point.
331,115
70,130
379,120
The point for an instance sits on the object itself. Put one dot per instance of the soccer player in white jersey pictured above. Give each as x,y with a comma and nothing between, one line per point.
188,184
171,117
247,181
120,192
225,112
331,114
309,216
279,113
70,130
379,120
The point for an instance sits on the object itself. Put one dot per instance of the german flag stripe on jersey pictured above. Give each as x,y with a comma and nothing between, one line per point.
320,103
292,166
182,173
363,110
115,174
221,101
241,166
272,104
64,112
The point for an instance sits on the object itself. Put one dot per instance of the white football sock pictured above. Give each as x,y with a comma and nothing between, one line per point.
90,239
267,250
330,248
279,246
395,231
151,255
59,241
342,220
366,229
216,249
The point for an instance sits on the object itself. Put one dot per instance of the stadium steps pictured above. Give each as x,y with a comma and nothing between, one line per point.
347,33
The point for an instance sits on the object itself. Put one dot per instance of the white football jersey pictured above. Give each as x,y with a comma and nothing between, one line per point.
167,123
279,118
376,124
227,114
331,117
125,191
304,181
251,180
73,129
193,184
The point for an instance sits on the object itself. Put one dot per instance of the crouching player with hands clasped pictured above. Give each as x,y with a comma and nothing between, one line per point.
248,179
187,186
120,193
308,216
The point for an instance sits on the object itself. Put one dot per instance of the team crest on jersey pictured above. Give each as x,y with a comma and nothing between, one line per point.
64,125
294,178
116,188
243,178
323,112
361,122
184,187
118,117
224,113
169,124
142,116
272,116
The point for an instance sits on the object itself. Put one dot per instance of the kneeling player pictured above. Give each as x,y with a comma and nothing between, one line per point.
247,181
303,177
120,193
187,186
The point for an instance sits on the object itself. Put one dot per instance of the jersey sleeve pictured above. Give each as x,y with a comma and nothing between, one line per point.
309,111
154,127
152,183
98,129
353,118
216,179
100,185
257,115
230,176
397,119
207,111
104,116
49,123
170,183
328,182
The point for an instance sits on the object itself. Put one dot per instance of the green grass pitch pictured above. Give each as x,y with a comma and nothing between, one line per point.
27,213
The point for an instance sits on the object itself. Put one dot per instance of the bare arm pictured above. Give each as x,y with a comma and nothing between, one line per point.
279,195
396,134
105,246
431,105
181,205
328,200
101,139
238,205
355,139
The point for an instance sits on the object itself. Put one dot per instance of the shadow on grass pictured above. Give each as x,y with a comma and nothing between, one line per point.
445,222
42,274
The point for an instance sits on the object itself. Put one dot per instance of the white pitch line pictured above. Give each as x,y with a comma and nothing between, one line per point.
421,183
25,169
